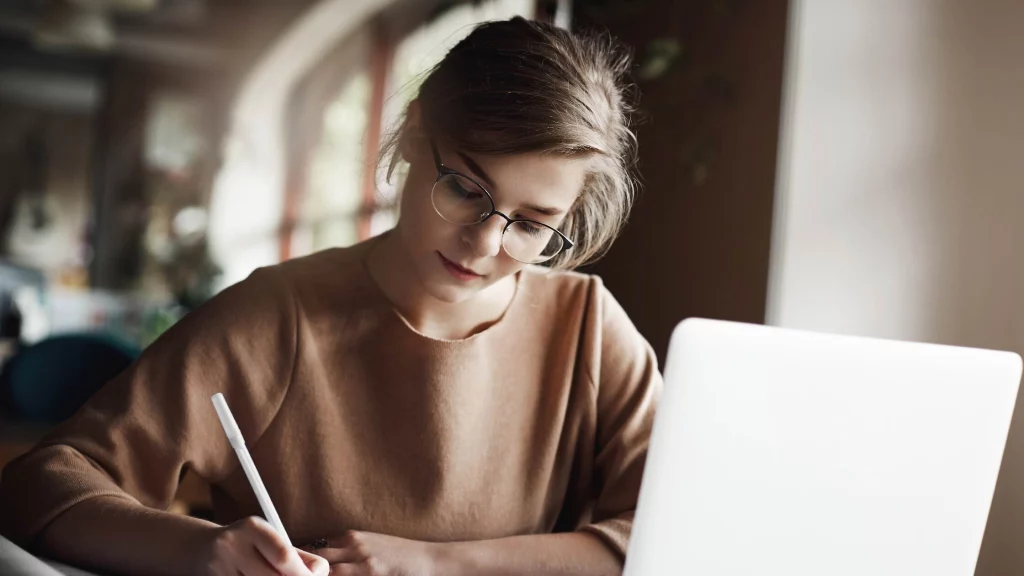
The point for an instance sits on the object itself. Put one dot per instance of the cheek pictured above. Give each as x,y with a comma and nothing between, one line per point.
418,221
507,266
424,230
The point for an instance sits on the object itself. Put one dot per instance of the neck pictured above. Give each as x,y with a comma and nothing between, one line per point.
391,268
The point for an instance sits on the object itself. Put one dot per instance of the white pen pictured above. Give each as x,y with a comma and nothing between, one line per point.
238,443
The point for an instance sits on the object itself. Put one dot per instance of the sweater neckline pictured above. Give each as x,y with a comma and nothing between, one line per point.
385,301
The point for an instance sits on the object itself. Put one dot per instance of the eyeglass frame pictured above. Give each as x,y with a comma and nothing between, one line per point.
443,171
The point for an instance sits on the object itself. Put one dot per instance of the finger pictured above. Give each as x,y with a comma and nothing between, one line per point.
340,555
348,570
316,564
285,562
278,553
251,563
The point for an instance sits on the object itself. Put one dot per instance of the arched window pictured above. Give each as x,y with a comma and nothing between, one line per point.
334,195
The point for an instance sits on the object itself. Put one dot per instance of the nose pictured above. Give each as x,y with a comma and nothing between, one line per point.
485,237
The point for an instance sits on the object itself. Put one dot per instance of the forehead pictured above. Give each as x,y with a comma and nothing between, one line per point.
529,178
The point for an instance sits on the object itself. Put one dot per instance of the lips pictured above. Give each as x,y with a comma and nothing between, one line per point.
460,272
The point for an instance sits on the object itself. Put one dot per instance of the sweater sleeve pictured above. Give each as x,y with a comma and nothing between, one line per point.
135,438
628,388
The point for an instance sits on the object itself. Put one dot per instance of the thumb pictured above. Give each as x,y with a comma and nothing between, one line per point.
317,565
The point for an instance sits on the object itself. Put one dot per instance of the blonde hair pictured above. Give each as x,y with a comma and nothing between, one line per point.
520,86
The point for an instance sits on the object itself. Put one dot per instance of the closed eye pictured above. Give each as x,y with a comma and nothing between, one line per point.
533,229
461,191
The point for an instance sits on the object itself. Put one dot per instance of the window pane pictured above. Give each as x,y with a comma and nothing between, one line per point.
334,193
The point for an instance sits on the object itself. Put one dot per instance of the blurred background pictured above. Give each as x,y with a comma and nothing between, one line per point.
853,167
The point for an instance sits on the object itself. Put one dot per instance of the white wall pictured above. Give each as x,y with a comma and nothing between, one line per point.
901,189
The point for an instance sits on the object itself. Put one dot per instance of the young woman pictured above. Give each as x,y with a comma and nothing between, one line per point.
443,399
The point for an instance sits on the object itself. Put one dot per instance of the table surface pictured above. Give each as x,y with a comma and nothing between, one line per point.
15,561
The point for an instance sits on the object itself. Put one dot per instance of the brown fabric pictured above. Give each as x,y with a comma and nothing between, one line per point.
355,421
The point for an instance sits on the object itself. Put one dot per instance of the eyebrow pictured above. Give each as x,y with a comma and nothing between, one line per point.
479,173
476,169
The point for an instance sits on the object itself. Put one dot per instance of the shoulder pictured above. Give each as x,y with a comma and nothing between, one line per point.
567,290
573,300
276,293
330,278
610,344
560,289
334,265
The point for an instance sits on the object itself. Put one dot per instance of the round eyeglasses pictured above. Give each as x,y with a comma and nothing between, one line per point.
460,200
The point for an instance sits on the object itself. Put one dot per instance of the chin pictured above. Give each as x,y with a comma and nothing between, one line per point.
451,294
441,286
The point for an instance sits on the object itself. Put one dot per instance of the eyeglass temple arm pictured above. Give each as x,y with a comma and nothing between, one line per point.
566,243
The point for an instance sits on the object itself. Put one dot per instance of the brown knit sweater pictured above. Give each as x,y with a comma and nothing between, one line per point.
538,424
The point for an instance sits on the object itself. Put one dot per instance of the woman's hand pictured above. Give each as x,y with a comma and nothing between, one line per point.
251,547
369,554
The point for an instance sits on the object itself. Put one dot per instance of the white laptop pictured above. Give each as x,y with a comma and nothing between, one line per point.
785,453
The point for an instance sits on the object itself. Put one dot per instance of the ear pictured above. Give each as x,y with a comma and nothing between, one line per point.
411,143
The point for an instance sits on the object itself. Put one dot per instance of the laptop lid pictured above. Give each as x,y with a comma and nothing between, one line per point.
788,453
